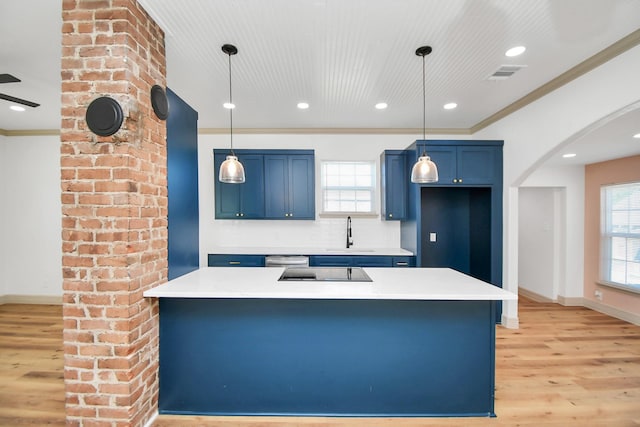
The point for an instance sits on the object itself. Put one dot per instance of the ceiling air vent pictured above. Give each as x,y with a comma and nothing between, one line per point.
505,71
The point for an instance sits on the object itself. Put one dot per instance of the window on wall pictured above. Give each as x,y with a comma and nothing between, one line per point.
620,237
348,187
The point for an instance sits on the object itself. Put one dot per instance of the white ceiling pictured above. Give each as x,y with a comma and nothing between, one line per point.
342,57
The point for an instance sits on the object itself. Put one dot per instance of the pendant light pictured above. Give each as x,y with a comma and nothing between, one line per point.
231,170
424,171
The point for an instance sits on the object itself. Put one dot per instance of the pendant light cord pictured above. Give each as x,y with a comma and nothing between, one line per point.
230,108
424,103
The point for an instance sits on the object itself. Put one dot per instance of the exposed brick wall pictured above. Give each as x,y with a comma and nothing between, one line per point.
114,213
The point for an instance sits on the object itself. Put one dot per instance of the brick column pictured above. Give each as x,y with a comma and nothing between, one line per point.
114,213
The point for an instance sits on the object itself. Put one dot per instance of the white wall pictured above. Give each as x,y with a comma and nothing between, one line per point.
538,232
323,232
542,128
30,233
3,215
569,180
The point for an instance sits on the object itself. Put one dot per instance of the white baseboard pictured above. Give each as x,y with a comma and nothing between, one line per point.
534,296
571,301
510,322
31,299
612,311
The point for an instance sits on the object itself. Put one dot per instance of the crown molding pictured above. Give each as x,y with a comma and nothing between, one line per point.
624,44
342,131
617,48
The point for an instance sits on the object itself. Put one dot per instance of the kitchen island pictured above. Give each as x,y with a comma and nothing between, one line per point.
413,342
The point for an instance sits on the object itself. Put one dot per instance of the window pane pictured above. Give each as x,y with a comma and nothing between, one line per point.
363,206
332,181
619,221
633,250
618,273
346,184
619,248
347,181
348,206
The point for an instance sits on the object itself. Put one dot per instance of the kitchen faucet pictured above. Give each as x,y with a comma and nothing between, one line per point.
349,233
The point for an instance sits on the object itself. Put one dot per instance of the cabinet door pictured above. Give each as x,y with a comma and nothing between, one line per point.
241,201
229,260
276,180
371,261
301,186
252,190
330,261
404,261
289,186
395,184
445,159
227,195
476,165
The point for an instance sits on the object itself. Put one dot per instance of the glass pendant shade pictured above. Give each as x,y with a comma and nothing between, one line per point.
231,171
424,171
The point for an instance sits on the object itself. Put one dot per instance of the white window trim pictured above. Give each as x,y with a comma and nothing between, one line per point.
605,251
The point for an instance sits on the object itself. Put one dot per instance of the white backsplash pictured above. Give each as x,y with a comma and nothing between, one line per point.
322,233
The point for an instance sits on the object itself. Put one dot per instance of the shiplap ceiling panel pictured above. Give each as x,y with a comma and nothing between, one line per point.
344,56
340,56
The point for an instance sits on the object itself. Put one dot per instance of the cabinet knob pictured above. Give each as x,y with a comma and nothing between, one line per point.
241,214
286,214
455,180
390,215
290,214
237,214
460,180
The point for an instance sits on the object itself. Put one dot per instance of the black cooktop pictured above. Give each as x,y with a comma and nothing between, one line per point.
325,274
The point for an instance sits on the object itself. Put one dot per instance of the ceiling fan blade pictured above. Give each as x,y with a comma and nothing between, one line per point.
8,78
18,100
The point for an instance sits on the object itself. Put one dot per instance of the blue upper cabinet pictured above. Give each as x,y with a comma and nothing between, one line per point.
463,164
279,184
394,181
241,201
289,186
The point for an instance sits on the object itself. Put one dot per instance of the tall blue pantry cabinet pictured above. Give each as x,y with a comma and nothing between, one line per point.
182,187
457,221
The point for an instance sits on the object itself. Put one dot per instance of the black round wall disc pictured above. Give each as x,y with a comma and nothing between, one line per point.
104,116
159,102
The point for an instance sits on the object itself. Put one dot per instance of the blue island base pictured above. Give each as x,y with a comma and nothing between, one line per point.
327,357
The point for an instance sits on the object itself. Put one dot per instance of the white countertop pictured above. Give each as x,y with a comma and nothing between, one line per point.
310,251
388,283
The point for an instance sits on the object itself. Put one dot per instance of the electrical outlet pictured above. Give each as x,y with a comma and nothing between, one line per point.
598,294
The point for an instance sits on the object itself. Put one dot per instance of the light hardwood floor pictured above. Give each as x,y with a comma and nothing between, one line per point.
565,366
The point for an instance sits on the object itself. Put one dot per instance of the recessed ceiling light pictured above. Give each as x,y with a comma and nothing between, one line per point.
637,135
381,105
450,106
17,108
303,105
569,155
515,51
229,106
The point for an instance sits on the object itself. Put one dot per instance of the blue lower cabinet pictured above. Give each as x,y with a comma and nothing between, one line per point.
404,261
371,261
361,261
329,261
225,260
